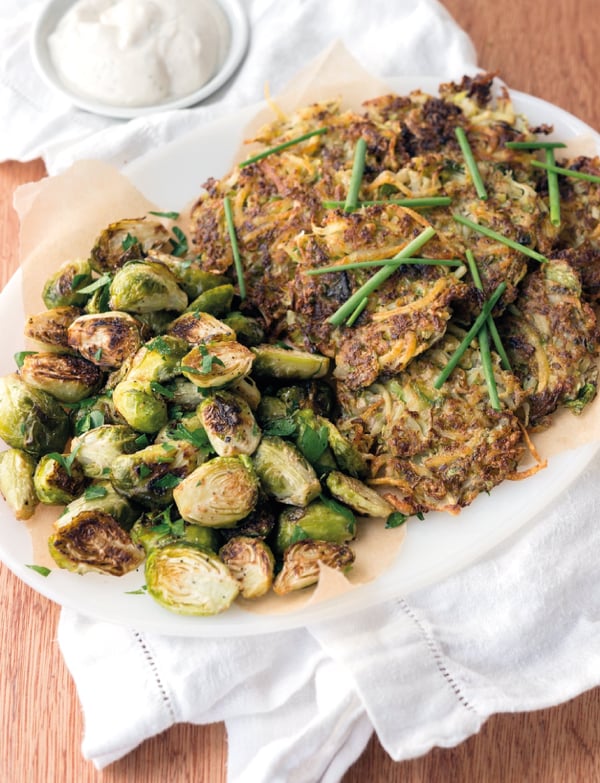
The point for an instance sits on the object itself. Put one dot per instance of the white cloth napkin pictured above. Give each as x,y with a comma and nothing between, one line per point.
517,631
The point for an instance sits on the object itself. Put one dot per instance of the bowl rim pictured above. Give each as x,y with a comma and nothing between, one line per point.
52,12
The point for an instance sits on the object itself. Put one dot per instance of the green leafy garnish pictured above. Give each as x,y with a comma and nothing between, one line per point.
140,591
129,242
312,443
144,471
168,481
20,357
65,460
298,534
98,354
42,570
168,215
94,491
102,281
180,245
161,345
142,441
338,507
282,427
90,421
395,519
158,388
197,437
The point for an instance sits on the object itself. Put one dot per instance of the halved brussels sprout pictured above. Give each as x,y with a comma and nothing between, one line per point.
30,419
143,287
258,524
62,288
95,411
251,562
214,365
149,475
190,276
93,540
106,339
154,529
141,409
319,521
361,498
157,360
219,493
278,362
127,239
156,322
58,482
66,377
16,482
284,473
198,327
302,564
102,497
229,424
187,429
248,330
247,389
216,301
347,456
50,327
99,447
189,580
270,409
184,394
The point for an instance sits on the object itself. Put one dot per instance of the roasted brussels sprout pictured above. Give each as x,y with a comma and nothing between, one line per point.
156,322
66,377
93,412
152,530
106,339
278,362
99,496
247,389
229,424
347,456
62,288
141,409
157,360
98,448
149,475
358,496
216,301
189,580
319,521
311,437
219,493
284,473
58,479
214,365
30,419
248,330
183,394
316,396
143,286
251,562
189,274
50,327
198,327
127,239
271,409
16,482
258,524
302,564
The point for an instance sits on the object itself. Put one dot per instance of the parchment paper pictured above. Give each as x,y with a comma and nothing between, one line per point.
61,216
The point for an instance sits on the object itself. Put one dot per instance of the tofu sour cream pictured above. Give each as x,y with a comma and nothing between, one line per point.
139,52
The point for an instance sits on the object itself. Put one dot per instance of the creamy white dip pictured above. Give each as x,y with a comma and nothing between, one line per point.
138,52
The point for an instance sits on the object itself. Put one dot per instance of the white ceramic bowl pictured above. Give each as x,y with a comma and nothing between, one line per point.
54,10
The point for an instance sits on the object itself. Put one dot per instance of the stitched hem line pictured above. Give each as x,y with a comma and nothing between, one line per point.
437,656
154,669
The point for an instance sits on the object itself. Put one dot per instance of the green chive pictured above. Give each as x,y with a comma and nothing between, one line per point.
101,281
415,203
534,145
477,324
169,215
491,324
553,192
471,162
566,172
349,306
42,570
359,308
358,167
284,145
234,246
488,232
488,368
385,262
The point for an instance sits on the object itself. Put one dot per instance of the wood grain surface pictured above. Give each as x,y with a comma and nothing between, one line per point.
548,49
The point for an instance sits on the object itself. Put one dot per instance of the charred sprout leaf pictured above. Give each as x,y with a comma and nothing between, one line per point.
302,564
94,492
41,570
251,563
31,419
219,493
362,499
115,245
65,288
319,521
144,287
198,327
66,377
276,362
98,448
16,482
141,409
149,476
395,519
58,479
49,328
107,339
229,424
216,365
216,301
93,540
284,472
189,580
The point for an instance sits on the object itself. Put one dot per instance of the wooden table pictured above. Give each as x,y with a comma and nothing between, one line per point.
547,49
